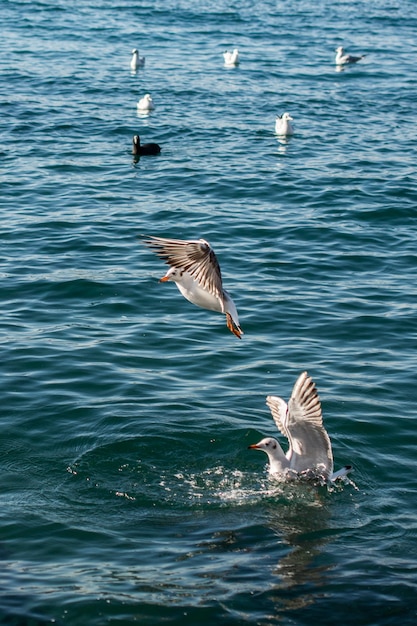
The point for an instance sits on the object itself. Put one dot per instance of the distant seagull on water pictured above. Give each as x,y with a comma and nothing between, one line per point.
195,270
309,452
136,60
146,103
283,125
231,58
343,59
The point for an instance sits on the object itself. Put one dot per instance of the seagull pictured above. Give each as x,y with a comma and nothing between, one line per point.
145,148
283,125
196,272
231,58
136,61
309,452
146,103
342,58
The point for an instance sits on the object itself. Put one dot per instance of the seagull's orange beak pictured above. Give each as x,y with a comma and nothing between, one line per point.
253,446
164,279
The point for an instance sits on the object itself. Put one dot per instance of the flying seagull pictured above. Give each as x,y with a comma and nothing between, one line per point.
196,271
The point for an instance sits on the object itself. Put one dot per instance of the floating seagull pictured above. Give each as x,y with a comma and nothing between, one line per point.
196,272
283,125
231,58
146,148
146,103
310,451
342,58
136,61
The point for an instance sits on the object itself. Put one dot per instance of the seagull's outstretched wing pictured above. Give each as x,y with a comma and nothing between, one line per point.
279,410
195,257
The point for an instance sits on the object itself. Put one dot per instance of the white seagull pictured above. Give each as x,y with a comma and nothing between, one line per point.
196,272
309,451
343,59
146,103
231,58
136,60
283,125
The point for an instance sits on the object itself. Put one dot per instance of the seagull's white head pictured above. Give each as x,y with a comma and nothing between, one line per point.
173,274
287,116
340,49
268,445
134,51
278,462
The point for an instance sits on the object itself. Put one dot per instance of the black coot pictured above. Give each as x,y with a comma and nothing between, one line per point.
146,148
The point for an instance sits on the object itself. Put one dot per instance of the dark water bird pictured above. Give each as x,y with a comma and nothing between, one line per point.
195,270
143,149
343,59
309,451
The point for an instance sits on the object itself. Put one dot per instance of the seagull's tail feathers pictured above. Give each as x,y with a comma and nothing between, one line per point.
344,471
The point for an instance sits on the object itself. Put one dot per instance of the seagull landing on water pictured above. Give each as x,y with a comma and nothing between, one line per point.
231,58
136,60
283,125
343,59
310,451
196,272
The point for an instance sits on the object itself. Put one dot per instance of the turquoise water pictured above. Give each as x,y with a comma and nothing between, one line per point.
128,492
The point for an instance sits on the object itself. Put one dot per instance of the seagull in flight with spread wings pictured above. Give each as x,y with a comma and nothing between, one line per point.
196,271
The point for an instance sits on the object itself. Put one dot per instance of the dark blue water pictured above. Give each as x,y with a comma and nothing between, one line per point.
128,494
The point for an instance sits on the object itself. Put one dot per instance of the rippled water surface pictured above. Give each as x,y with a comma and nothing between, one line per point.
128,492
